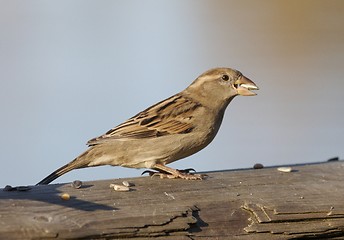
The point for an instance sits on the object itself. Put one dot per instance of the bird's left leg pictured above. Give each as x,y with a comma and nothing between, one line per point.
167,172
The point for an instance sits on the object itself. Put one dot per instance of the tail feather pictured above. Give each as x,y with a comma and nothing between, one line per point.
62,170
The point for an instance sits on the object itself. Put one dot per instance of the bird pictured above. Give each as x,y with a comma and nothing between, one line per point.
169,130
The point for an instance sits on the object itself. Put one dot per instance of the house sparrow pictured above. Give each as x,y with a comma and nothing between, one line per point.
170,130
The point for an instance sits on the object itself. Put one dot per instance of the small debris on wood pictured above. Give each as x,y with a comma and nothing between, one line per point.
258,166
169,195
119,188
8,188
18,188
128,184
334,159
330,212
65,196
285,169
76,184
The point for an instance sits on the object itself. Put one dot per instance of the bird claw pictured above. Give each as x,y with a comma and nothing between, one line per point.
183,174
188,170
151,173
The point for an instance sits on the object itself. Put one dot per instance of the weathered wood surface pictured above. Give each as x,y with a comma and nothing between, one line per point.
237,204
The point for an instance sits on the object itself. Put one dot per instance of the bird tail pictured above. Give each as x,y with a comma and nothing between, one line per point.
78,162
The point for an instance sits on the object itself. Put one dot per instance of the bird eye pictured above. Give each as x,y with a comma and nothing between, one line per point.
225,77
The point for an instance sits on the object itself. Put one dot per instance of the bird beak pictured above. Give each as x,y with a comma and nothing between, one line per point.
244,86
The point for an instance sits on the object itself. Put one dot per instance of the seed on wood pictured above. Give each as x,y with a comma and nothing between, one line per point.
65,196
128,184
119,188
258,166
19,188
284,169
8,188
76,184
333,159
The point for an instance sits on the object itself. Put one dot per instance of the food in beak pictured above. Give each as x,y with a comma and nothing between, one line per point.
244,86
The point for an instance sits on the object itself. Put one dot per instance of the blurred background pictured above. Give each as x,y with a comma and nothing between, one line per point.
71,70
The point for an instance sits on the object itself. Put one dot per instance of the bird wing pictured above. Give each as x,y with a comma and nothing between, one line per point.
171,116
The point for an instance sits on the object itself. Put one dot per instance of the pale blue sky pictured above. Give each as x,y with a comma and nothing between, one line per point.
71,70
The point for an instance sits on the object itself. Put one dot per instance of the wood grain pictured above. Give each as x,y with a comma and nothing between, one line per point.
237,204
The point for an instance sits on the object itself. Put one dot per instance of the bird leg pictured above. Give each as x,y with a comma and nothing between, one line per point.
167,172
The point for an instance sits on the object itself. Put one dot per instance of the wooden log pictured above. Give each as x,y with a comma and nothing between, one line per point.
238,204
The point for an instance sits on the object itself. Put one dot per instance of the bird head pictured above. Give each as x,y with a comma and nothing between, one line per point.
222,84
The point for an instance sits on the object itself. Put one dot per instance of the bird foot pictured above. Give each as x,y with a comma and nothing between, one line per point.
183,174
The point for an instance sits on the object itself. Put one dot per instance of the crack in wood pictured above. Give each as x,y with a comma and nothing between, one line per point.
178,224
267,205
302,228
258,211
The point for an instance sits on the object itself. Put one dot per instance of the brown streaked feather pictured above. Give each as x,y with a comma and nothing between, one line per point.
170,116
